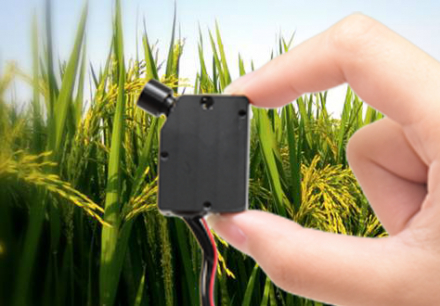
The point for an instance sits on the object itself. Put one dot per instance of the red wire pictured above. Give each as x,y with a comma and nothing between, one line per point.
211,283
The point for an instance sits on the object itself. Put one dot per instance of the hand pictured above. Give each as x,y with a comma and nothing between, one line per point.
396,160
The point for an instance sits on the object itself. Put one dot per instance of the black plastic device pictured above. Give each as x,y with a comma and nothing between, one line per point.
204,151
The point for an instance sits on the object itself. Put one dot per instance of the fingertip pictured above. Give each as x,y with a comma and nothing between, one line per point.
227,227
212,220
242,230
230,89
236,87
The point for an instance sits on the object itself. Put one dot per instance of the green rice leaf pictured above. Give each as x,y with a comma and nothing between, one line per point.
266,137
250,287
65,96
170,60
151,69
110,265
266,293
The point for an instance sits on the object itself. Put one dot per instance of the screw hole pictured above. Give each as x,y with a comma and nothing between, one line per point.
164,155
242,113
207,103
207,205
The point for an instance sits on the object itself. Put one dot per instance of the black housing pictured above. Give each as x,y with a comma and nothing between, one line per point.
204,155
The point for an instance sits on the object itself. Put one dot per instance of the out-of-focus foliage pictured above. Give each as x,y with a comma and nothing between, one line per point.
78,174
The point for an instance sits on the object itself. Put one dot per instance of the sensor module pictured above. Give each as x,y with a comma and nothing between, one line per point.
203,163
204,149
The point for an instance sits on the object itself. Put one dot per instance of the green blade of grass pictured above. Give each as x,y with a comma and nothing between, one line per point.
145,157
109,275
31,241
151,69
189,277
68,84
170,60
225,69
140,291
216,65
36,107
250,287
241,68
294,157
343,125
370,116
301,102
287,45
359,106
272,296
177,54
136,40
266,137
78,106
166,261
266,293
206,84
51,80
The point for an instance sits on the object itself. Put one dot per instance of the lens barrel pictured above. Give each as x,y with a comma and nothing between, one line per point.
156,98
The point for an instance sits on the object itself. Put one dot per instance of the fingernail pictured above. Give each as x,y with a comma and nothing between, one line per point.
212,220
237,85
225,227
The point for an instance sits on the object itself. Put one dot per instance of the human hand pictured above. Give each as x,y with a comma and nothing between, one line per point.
396,160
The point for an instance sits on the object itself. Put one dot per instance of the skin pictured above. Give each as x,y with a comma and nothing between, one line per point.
396,160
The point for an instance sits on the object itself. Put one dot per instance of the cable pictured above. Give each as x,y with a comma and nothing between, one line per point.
201,231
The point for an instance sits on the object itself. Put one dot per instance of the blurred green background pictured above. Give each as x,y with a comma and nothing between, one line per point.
78,217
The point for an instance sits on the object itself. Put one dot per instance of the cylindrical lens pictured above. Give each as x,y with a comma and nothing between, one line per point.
156,98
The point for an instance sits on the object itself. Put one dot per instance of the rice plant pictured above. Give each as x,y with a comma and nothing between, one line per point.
78,216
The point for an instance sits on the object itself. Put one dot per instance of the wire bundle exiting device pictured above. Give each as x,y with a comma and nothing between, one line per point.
206,241
203,163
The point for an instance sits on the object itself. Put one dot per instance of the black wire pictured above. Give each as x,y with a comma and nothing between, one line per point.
209,259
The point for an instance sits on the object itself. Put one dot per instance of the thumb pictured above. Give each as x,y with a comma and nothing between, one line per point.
322,266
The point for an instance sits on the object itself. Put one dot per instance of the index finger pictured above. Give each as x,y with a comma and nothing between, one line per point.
385,70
